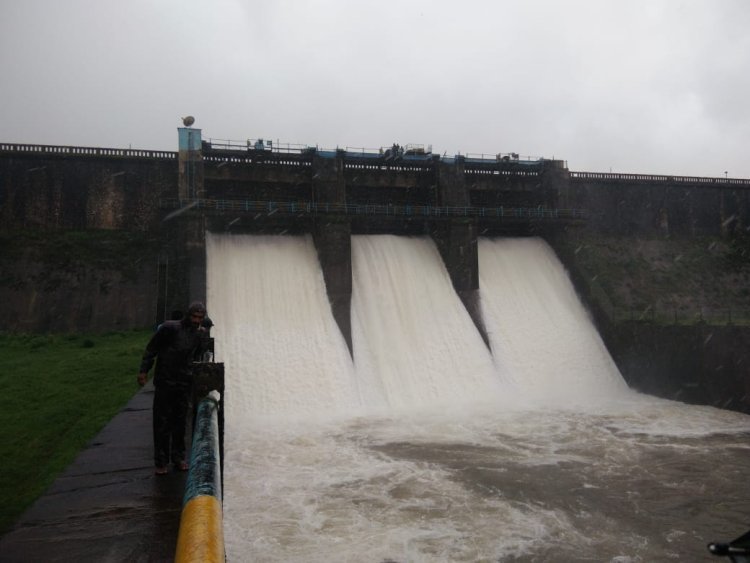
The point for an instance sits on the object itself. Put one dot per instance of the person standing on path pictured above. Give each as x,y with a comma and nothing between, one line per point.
174,346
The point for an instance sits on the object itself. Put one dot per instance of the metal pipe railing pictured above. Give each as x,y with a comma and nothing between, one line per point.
201,536
406,210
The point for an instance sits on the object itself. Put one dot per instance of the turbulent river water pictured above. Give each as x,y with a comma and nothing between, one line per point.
426,446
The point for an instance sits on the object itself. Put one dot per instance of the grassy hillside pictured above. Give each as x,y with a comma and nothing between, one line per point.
58,392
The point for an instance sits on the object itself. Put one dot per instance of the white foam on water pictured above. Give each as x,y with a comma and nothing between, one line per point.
414,343
323,494
540,334
424,486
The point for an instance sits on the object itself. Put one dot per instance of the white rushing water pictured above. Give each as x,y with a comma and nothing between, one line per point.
414,343
541,336
426,447
275,333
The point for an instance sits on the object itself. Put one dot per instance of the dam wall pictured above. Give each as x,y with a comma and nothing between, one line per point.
58,187
331,194
648,205
76,188
56,201
698,363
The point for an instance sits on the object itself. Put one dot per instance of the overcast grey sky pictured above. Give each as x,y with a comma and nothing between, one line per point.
648,86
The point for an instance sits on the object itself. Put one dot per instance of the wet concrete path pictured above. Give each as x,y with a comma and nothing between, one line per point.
107,505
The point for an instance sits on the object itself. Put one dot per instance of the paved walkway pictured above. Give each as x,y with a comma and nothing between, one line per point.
108,505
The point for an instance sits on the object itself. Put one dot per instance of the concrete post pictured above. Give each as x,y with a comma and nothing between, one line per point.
190,162
328,179
451,184
556,185
195,251
182,269
333,241
456,239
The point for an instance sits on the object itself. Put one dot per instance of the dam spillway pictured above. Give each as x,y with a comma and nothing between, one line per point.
414,343
541,336
277,336
472,460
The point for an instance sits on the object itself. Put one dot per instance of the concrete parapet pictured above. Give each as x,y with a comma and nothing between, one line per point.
52,191
333,243
190,159
451,184
457,242
328,179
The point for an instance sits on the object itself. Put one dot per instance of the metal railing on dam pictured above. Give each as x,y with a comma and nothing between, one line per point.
611,177
56,150
201,535
221,152
352,209
300,156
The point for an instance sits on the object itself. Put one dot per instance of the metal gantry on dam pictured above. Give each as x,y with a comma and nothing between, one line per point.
396,182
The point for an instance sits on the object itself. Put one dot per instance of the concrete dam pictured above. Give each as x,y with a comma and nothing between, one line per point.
162,204
411,372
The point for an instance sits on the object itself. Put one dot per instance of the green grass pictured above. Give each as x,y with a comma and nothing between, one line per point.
58,392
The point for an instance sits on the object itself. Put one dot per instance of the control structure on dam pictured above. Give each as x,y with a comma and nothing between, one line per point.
395,189
333,194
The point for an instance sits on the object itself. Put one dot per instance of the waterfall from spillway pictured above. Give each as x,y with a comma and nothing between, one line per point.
414,343
540,334
274,330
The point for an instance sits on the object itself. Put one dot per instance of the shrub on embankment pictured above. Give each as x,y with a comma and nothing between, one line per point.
67,281
666,280
58,392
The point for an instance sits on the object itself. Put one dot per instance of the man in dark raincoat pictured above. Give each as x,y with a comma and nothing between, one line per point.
174,346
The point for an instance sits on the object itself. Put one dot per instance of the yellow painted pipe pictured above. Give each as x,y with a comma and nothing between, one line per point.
201,538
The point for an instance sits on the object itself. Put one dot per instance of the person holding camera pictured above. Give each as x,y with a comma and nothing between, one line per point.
174,346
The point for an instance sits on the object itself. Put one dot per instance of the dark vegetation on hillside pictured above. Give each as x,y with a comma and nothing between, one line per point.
66,281
655,278
66,253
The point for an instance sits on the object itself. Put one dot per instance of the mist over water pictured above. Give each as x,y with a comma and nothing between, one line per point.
426,447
